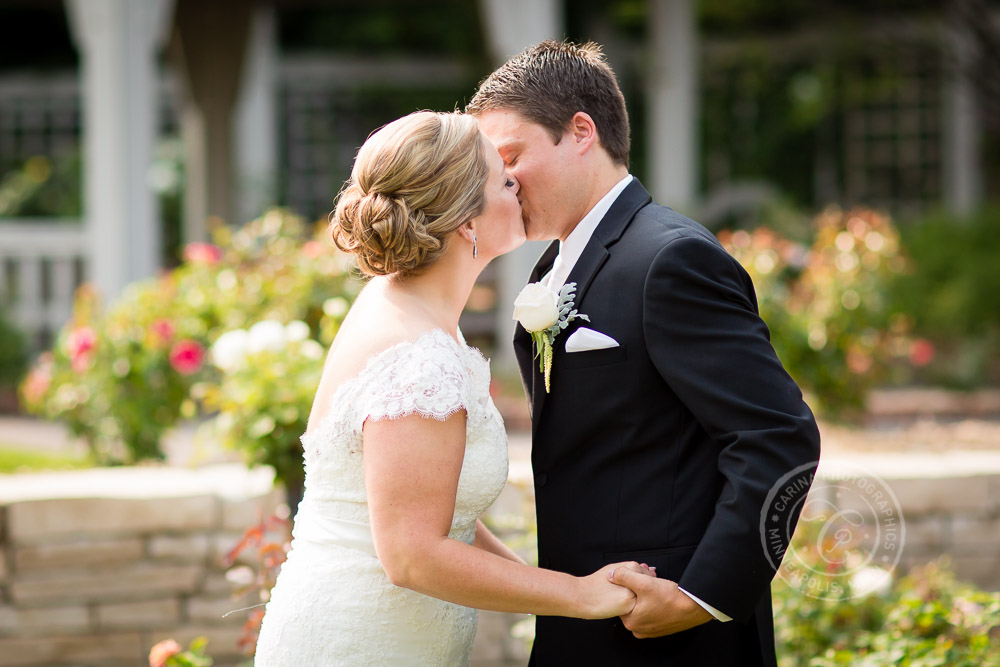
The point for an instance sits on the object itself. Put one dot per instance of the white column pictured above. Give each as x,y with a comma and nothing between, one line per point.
118,41
510,26
961,173
673,103
256,132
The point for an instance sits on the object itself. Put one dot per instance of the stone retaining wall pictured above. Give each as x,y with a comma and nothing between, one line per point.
950,504
96,566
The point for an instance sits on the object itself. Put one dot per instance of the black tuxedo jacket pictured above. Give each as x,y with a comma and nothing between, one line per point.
663,449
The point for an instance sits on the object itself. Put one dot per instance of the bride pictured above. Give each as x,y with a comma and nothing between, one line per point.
404,448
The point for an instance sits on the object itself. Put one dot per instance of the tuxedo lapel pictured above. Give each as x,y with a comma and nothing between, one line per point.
544,262
527,364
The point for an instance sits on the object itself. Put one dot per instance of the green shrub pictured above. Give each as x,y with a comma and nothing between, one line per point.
42,187
825,304
952,295
925,618
13,353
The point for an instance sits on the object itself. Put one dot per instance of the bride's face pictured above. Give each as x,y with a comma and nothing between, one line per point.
499,229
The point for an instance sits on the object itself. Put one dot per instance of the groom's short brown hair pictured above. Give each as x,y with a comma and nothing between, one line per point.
549,82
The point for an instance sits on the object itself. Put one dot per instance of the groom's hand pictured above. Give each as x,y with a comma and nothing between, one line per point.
661,608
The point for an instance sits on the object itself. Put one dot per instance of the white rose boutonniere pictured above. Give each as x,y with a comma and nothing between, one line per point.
544,313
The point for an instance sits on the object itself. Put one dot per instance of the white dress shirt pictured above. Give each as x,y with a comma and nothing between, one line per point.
569,252
571,249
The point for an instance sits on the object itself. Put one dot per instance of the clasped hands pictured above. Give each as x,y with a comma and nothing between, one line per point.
661,608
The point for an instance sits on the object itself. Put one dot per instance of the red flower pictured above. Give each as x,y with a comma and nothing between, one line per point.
162,330
187,356
202,253
313,249
922,352
39,379
80,347
159,654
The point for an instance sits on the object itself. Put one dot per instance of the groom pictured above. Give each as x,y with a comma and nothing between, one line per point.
669,417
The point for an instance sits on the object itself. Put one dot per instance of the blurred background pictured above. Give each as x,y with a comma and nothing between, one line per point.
167,288
128,129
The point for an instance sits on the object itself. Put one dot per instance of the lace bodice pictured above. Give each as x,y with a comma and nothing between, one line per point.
332,593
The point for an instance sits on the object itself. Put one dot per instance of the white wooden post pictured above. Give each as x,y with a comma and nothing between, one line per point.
118,42
673,103
510,26
961,173
256,131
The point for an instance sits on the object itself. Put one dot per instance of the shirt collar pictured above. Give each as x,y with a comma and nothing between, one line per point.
571,249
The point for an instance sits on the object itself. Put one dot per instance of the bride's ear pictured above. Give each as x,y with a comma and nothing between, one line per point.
467,232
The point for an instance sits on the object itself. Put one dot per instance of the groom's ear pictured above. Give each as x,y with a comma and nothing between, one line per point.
583,131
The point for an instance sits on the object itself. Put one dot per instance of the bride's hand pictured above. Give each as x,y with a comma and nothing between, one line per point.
602,599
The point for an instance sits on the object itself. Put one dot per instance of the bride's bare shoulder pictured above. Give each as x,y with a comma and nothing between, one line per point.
376,323
373,325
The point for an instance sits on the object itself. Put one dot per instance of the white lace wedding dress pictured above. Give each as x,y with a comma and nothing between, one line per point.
333,604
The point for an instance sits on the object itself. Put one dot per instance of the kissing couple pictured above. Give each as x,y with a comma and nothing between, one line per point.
661,416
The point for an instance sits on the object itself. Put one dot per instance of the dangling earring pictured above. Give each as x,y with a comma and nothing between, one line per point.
475,250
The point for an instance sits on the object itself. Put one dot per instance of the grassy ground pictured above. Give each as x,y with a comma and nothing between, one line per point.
17,459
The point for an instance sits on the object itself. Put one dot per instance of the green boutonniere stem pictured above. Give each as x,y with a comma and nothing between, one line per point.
543,351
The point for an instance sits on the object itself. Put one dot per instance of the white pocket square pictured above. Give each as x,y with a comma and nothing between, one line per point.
584,339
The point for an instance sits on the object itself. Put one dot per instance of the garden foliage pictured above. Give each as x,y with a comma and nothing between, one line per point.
926,618
952,295
13,353
121,377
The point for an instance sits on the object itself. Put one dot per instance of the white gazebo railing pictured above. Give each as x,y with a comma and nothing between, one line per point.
42,262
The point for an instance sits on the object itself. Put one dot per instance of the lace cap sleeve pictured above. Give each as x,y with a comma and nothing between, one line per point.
426,377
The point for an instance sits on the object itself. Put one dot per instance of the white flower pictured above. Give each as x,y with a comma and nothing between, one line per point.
335,306
262,427
241,575
226,280
296,331
312,350
230,349
267,335
524,629
871,580
536,307
544,313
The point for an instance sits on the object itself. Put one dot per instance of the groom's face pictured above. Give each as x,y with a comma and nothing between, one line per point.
543,168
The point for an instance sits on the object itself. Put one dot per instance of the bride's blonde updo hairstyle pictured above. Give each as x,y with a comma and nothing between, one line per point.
414,182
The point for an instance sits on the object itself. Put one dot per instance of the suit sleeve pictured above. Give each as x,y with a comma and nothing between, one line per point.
707,341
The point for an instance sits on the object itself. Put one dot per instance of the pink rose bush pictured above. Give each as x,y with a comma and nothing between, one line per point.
80,347
120,376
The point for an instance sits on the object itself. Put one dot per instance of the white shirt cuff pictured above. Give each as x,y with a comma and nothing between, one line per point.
707,607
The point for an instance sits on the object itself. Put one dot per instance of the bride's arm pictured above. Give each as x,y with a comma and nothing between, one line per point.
487,541
412,467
